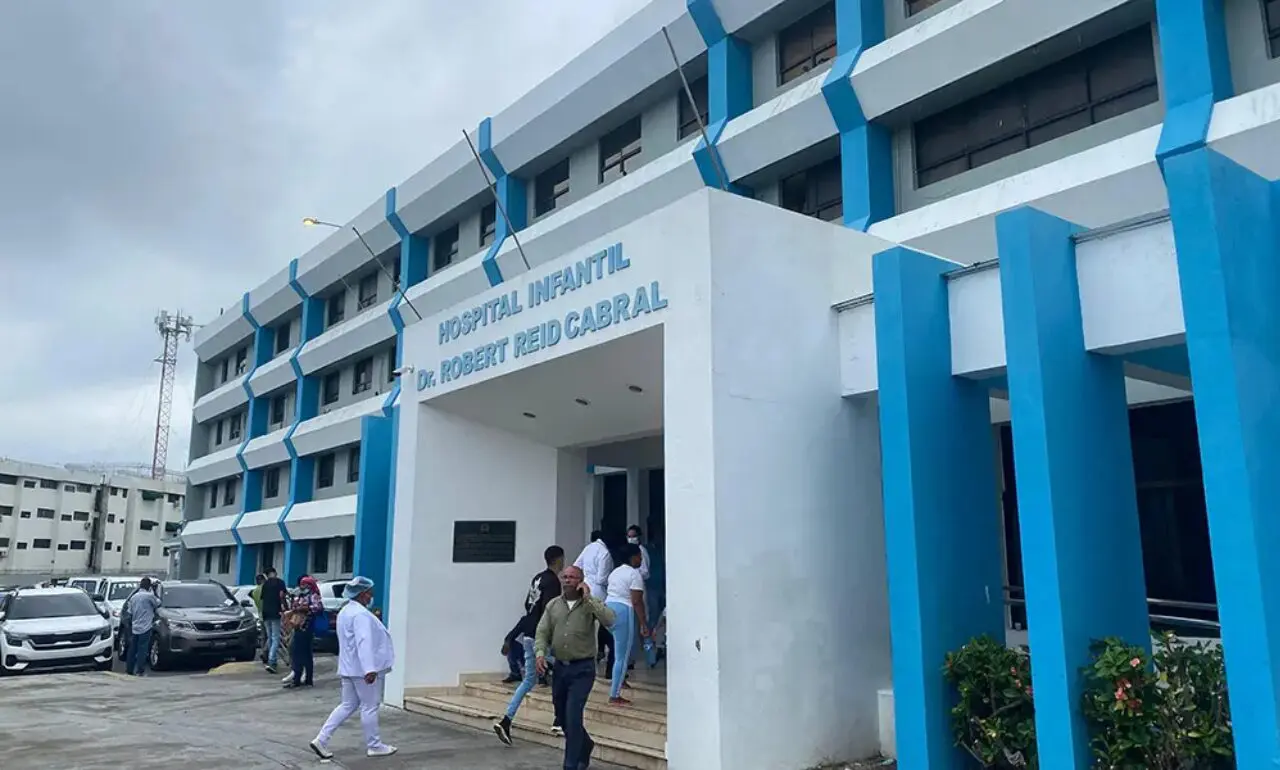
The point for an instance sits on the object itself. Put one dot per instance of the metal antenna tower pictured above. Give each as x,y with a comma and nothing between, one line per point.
172,328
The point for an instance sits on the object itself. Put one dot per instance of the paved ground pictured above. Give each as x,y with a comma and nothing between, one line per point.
197,721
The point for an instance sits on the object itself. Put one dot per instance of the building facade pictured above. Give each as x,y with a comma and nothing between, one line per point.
57,522
911,317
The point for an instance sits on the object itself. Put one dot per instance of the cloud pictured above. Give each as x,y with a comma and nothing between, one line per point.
160,155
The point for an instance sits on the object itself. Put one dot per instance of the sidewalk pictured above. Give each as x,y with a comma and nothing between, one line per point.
237,716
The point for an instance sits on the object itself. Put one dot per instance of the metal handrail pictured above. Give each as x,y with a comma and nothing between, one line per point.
1171,603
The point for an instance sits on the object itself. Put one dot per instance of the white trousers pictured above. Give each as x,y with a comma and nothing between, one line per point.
356,696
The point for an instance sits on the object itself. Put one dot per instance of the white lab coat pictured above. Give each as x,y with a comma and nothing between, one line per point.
364,644
644,564
596,564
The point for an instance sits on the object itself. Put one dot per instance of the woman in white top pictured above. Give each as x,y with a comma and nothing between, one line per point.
625,597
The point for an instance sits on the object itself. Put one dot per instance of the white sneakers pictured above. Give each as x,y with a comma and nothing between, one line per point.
322,751
382,751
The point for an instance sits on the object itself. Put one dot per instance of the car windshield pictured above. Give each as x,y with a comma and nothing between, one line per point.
88,586
120,591
51,606
337,589
196,595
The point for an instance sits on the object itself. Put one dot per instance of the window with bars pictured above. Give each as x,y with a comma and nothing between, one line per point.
332,387
549,187
446,249
336,307
688,117
816,191
807,44
1271,21
488,224
1104,81
233,427
368,291
363,379
616,148
242,361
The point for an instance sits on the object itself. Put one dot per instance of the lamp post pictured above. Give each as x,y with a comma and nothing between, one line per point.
313,222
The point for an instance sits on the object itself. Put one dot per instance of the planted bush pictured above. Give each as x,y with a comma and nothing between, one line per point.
994,716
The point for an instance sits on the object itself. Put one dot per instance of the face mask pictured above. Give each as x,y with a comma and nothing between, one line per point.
633,540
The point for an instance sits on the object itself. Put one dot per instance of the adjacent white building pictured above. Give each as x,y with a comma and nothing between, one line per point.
55,522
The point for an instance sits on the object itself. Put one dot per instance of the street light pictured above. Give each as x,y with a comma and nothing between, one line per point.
313,222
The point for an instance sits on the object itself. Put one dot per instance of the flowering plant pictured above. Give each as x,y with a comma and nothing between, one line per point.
993,718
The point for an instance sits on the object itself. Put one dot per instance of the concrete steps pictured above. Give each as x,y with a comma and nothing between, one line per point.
628,736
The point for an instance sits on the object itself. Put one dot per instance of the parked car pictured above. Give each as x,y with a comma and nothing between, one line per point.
196,619
44,628
331,595
244,595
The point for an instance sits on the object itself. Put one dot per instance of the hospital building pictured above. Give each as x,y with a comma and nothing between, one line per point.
905,322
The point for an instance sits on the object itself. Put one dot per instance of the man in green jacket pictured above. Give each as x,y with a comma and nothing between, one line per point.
568,627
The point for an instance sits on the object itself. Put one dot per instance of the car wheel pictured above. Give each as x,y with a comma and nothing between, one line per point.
122,649
105,665
159,661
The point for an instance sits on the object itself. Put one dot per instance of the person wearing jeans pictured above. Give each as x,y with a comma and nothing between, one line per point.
274,601
519,644
626,599
139,654
308,605
142,618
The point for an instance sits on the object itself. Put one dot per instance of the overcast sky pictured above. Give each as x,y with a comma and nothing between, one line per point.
158,154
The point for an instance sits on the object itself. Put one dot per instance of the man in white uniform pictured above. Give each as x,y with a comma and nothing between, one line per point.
364,655
596,564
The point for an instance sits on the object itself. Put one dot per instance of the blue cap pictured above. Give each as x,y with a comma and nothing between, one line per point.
357,586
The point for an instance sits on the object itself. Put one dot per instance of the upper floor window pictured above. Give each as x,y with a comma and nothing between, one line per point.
213,499
488,224
8,480
1101,82
225,370
395,274
28,484
242,361
48,484
320,557
391,364
324,473
807,44
816,192
364,376
337,307
233,427
217,435
353,465
271,483
44,513
368,291
277,410
282,337
332,387
229,492
549,187
224,560
616,148
1271,17
916,6
688,116
446,249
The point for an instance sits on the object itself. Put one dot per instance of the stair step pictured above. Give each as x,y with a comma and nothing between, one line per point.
646,713
614,744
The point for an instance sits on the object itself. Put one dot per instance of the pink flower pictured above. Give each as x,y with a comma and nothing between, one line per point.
1135,663
1119,693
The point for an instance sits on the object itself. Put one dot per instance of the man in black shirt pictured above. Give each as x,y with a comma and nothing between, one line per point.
274,592
544,587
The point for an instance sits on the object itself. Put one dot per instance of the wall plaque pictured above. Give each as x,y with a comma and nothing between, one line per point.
484,542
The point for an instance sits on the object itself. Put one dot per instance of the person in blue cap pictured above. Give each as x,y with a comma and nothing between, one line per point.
365,654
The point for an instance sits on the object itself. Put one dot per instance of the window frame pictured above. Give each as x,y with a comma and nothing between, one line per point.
813,205
278,405
229,492
282,337
619,146
334,377
271,483
335,308
353,465
367,297
1271,27
817,55
686,121
550,186
914,7
234,425
324,480
224,560
320,557
358,385
444,248
488,224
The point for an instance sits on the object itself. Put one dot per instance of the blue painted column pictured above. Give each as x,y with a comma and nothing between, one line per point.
941,502
255,426
513,198
729,90
1077,503
306,405
1196,69
373,509
1226,220
866,148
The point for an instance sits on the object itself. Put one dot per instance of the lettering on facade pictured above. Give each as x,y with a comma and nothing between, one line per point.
484,542
578,322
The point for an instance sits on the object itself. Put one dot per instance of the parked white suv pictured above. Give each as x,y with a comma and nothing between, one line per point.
52,628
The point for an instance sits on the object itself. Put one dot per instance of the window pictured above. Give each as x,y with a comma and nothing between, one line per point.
69,488
277,410
229,492
62,546
807,44
41,543
689,118
816,192
616,148
172,527
124,493
348,555
549,187
233,427
353,465
217,439
332,386
144,550
224,370
271,483
24,515
44,513
224,561
106,547
84,488
324,477
28,484
111,518
213,497
66,517
4,542
81,515
395,274
208,560
147,526
488,224
916,6
282,337
7,480
446,249
6,510
1110,79
47,484
320,556
391,365
77,545
22,546
364,376
337,307
368,291
175,499
242,362
1271,17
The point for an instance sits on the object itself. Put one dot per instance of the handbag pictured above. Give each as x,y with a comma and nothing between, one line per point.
320,624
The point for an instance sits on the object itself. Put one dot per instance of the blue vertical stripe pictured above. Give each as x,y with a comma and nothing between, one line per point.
729,90
512,196
1197,71
306,405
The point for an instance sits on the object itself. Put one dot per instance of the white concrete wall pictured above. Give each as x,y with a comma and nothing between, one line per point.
458,614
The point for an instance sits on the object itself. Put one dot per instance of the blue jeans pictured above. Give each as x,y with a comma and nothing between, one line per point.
530,677
302,650
273,639
138,654
624,633
515,659
570,689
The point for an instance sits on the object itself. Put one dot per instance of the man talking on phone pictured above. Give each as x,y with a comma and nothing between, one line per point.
568,626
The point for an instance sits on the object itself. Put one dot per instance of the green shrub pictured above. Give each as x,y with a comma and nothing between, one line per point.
994,717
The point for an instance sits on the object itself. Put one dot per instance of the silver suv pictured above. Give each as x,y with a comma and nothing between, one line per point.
42,628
